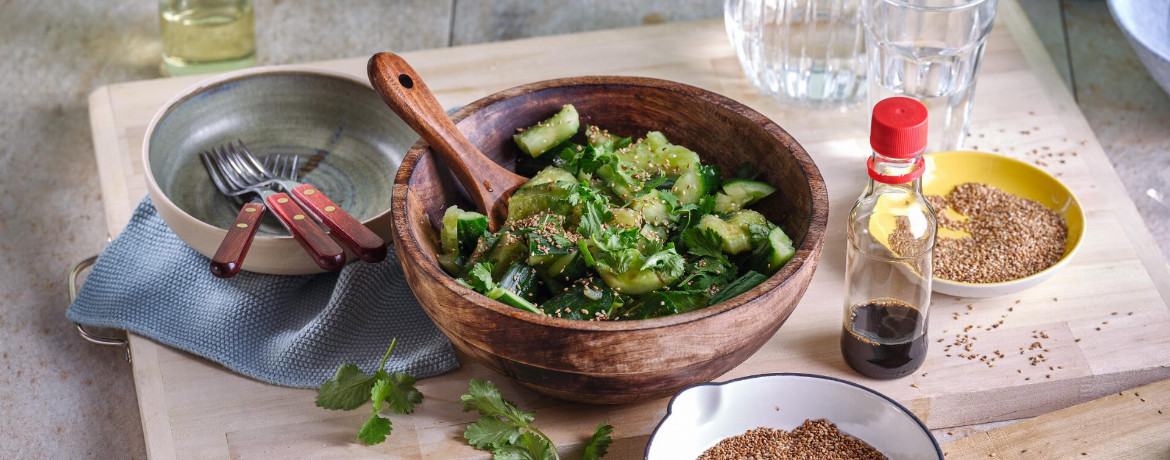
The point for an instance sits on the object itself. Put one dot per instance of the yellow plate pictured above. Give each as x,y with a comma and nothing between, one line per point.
945,170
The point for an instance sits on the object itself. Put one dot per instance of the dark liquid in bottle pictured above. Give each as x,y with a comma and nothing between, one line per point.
883,339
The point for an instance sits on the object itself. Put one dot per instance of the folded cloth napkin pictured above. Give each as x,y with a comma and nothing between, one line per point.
287,330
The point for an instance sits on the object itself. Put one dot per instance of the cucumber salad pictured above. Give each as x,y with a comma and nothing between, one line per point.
614,229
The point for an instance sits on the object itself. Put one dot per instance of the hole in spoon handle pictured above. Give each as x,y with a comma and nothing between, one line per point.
405,81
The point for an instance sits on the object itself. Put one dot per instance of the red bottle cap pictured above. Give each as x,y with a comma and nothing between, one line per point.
899,128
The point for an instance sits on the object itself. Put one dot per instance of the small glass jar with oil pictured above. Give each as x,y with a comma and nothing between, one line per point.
201,36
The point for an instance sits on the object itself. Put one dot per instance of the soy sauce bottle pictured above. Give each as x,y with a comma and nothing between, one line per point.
891,234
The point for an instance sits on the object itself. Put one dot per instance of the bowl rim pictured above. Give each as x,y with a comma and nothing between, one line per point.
809,248
1125,22
670,404
208,84
1042,274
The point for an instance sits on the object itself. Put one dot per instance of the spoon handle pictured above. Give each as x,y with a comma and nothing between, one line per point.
488,184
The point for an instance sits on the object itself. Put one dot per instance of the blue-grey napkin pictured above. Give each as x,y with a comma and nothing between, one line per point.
287,330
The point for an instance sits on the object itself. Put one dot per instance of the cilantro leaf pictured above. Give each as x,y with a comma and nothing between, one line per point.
667,262
490,433
703,242
375,430
348,390
484,397
529,447
480,277
598,445
398,390
579,159
507,432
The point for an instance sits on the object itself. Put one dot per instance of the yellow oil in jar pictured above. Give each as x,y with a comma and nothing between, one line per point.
206,38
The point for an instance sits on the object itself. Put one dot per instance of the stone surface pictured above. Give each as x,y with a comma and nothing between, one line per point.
491,20
61,397
1129,112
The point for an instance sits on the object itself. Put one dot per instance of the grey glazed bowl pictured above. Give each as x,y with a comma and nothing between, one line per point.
1146,24
332,118
700,416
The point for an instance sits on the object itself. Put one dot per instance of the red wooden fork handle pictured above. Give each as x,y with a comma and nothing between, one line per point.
234,247
365,243
325,252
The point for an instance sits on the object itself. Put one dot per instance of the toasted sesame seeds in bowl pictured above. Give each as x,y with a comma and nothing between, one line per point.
1004,225
701,417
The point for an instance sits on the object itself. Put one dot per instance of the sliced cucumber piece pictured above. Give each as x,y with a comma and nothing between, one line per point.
659,157
626,217
689,187
582,303
513,299
547,175
520,279
635,282
652,208
735,239
768,258
737,194
542,197
664,303
508,249
601,139
543,136
746,217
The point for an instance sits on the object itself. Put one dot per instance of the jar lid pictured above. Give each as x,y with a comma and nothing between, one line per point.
899,128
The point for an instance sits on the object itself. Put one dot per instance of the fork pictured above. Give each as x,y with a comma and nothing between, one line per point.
233,175
365,243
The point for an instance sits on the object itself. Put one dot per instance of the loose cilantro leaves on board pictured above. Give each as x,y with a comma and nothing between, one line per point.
350,388
507,432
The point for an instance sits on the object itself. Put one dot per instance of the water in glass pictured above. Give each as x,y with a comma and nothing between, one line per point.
806,53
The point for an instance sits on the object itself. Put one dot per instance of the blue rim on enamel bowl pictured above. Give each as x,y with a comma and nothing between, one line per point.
671,408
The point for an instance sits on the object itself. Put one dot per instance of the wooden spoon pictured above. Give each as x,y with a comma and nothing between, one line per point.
488,184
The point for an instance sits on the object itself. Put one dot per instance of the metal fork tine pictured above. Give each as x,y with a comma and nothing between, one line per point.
213,171
240,165
247,154
227,169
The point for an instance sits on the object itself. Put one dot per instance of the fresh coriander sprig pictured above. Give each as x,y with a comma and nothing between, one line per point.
507,432
350,388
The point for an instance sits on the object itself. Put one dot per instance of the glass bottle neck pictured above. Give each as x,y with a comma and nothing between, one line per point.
888,166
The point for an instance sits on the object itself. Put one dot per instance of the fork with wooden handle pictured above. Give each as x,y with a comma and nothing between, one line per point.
234,178
366,244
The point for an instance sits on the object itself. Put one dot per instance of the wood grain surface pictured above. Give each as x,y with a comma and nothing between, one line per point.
488,183
606,361
192,408
1132,424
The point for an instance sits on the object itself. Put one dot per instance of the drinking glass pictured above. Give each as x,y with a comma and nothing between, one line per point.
928,50
201,36
806,53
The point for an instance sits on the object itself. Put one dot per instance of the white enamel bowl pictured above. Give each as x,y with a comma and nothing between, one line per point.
701,415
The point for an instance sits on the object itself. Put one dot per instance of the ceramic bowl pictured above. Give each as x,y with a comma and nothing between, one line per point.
613,361
945,170
1146,25
702,415
335,121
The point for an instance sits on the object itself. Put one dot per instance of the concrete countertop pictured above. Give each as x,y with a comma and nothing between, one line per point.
61,397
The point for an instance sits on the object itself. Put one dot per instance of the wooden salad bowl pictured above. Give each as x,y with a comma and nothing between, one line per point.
613,361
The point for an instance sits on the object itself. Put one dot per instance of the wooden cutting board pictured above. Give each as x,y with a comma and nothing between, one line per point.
192,408
1133,424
